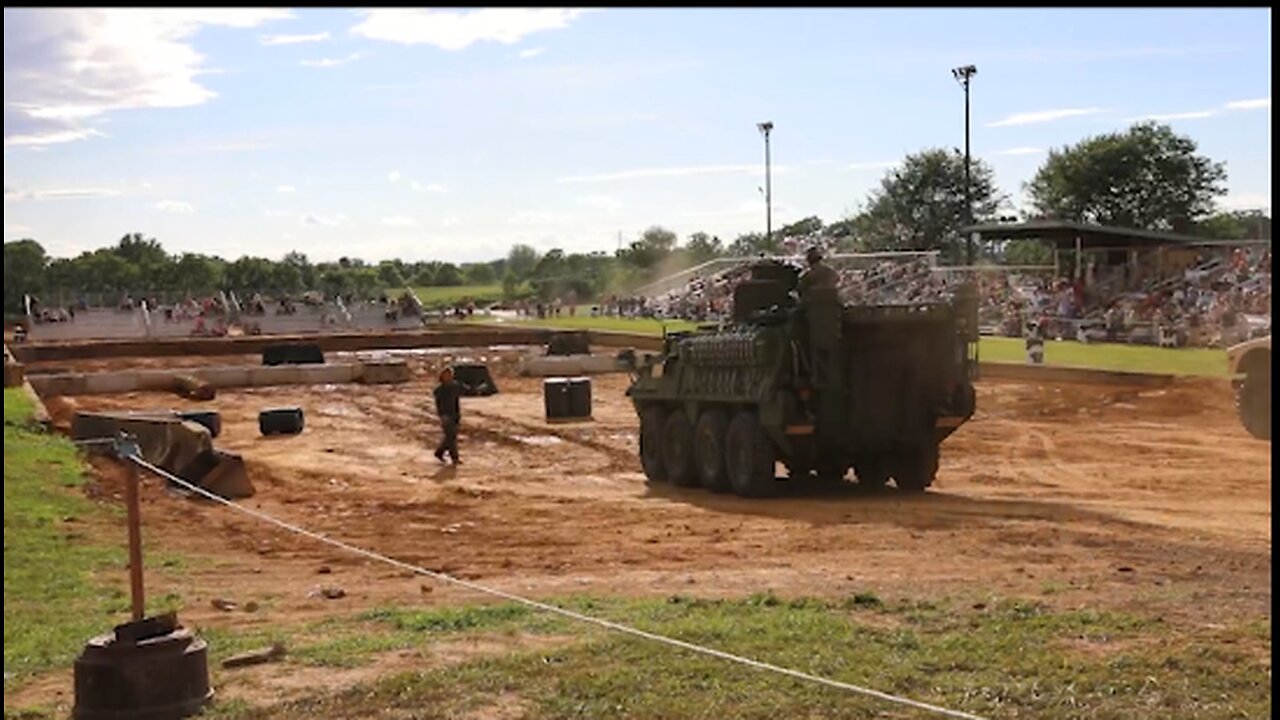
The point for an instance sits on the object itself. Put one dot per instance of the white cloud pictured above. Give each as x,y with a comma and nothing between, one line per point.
11,194
310,220
1166,117
1255,104
330,62
278,213
399,221
394,176
1044,116
673,172
430,187
532,53
874,165
286,189
38,140
1021,151
65,68
601,202
293,39
450,221
449,30
1247,201
174,206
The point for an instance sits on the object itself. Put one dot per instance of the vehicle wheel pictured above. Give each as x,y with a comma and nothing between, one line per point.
677,450
914,471
1253,402
651,421
872,472
749,460
709,450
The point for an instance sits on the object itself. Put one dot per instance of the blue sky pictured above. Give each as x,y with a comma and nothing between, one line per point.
430,134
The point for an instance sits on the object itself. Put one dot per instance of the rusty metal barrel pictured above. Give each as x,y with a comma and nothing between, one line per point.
151,669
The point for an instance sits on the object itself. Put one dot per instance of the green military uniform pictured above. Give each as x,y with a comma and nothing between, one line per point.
818,276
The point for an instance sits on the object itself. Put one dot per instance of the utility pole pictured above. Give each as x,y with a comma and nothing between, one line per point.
962,76
765,128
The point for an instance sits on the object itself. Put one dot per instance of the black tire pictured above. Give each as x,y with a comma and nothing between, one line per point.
914,471
749,457
1253,402
709,450
651,421
677,450
872,472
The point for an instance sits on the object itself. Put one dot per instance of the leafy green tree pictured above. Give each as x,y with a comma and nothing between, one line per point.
654,245
702,247
920,205
24,273
1147,177
448,275
521,260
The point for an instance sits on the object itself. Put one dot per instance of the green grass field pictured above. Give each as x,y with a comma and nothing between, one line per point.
51,602
1099,356
440,296
999,658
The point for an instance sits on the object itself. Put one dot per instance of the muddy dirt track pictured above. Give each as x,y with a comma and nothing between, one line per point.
1150,500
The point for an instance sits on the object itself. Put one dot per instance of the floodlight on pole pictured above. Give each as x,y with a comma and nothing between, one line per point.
963,75
765,128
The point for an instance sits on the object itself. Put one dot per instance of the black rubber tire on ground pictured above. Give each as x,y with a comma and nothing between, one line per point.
709,450
1253,402
677,450
651,420
914,470
872,472
749,458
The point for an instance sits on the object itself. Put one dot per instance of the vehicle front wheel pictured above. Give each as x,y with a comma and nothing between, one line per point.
1253,402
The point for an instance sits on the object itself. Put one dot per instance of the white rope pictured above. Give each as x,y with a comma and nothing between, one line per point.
552,608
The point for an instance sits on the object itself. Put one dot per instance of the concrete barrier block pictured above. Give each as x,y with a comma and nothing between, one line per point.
382,372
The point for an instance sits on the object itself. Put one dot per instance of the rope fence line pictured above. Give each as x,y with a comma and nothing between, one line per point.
133,457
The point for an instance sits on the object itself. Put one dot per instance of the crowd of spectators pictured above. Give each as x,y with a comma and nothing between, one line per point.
1220,299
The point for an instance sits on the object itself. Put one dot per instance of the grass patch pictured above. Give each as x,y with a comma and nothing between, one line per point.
1011,658
1107,356
53,545
1205,362
51,604
438,296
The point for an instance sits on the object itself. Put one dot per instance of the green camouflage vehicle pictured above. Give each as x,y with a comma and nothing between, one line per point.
822,387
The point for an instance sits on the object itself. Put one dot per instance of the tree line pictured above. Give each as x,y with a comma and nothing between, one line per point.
1146,177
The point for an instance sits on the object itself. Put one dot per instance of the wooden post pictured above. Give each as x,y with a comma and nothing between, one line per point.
135,539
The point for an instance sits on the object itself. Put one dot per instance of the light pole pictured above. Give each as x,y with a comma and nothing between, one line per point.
962,76
764,128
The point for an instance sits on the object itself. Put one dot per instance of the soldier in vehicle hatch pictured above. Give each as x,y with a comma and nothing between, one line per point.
449,409
818,276
819,329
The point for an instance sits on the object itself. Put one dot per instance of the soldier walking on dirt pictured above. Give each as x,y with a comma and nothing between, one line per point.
449,409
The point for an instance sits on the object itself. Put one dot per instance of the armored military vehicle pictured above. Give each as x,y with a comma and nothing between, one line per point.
1250,366
820,386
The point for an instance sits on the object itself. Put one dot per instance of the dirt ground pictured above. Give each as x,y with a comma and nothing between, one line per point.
1118,498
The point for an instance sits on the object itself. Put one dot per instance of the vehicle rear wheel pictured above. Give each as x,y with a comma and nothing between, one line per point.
750,457
914,470
1253,402
651,426
872,472
709,450
677,450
